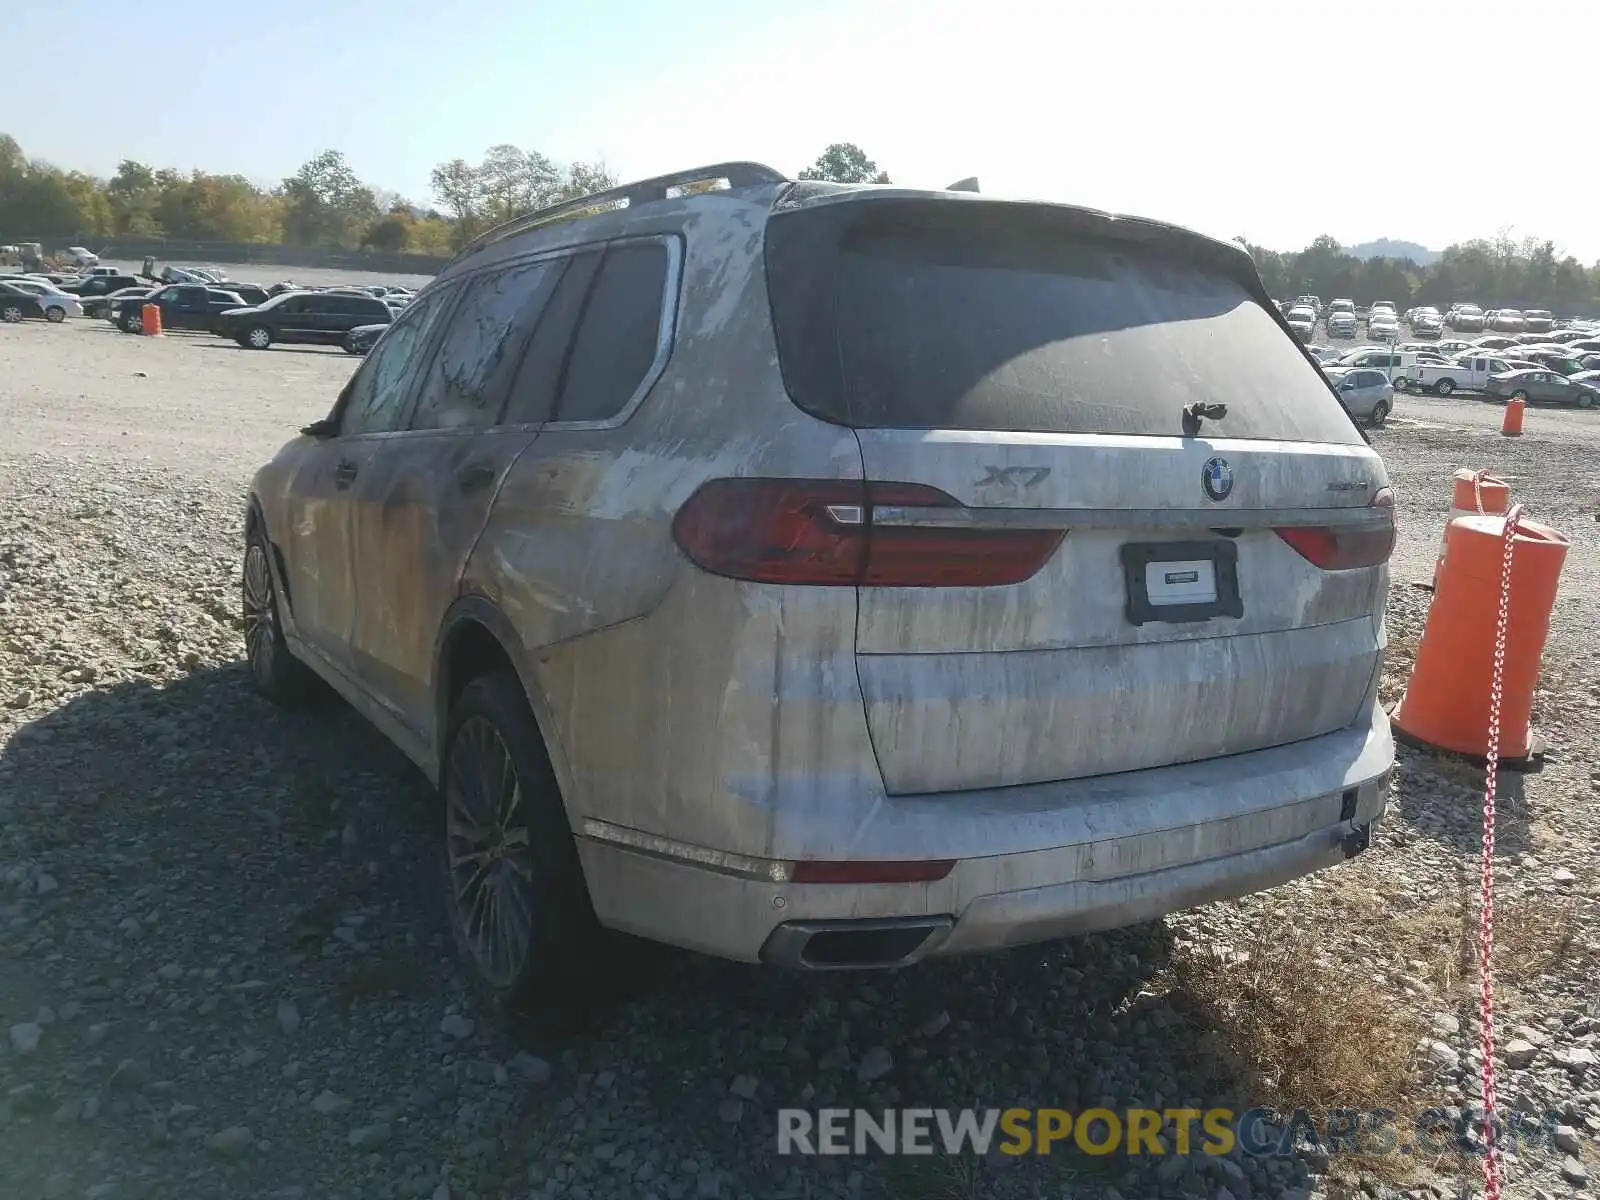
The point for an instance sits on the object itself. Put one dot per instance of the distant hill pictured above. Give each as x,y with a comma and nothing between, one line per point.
1389,248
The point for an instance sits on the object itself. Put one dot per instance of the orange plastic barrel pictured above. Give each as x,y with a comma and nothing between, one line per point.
150,320
1446,703
1478,492
1474,492
1511,423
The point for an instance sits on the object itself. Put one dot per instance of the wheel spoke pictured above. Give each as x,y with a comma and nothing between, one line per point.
514,923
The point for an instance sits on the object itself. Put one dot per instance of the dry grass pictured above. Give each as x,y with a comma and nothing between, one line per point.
1301,1028
1398,659
1532,940
1335,1022
937,1177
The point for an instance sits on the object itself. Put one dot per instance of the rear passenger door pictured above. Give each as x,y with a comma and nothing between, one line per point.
481,401
567,540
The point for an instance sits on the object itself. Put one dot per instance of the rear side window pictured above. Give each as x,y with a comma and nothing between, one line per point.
466,386
982,316
620,335
533,393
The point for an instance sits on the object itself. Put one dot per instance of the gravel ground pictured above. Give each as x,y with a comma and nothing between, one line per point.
224,971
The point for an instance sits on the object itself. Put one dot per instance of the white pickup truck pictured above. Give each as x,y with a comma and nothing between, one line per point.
1470,372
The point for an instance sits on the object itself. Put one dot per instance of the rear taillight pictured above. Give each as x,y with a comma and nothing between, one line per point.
821,532
1335,549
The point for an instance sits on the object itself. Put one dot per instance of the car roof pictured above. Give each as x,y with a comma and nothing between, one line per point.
760,188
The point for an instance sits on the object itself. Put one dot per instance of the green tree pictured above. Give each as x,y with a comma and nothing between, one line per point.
845,162
459,190
325,204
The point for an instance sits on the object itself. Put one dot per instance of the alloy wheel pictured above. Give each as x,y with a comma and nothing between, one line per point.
260,616
490,859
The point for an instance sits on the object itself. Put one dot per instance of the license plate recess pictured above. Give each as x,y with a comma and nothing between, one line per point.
1181,582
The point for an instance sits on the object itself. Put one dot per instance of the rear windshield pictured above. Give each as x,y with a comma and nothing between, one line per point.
973,316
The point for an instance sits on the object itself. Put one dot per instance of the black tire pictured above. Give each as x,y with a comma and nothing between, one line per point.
277,674
257,337
504,840
129,323
1444,387
1585,399
350,346
11,314
1519,394
55,314
1380,414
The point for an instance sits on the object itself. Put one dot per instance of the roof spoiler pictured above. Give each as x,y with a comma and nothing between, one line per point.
643,191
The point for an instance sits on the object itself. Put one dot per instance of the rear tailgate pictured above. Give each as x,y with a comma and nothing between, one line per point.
1032,369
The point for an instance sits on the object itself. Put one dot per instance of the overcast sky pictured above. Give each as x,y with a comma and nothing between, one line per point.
1274,120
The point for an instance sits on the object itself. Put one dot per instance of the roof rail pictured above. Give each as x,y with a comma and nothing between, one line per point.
643,191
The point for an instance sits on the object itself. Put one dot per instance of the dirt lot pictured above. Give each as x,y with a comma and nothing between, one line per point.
224,972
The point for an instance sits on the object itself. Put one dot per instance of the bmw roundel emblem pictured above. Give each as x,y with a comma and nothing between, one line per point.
1217,478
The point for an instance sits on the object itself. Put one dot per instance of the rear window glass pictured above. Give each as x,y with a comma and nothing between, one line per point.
963,316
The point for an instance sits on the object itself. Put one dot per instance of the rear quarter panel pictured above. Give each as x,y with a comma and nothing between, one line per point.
680,703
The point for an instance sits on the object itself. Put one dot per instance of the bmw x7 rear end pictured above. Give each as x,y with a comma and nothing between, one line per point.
967,574
966,636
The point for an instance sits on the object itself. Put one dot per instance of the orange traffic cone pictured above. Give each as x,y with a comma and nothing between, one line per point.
1446,703
1511,423
150,320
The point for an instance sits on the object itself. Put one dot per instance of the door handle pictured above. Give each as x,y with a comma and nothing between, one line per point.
344,474
477,475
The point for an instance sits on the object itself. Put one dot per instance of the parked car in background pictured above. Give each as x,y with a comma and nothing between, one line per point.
1493,341
1552,359
313,318
1302,321
1339,306
1392,362
16,304
1542,387
1383,325
1507,320
1563,336
363,338
1342,324
609,459
78,256
1427,323
1469,372
183,306
106,306
1465,318
1539,320
1366,394
57,304
1325,354
100,285
1449,347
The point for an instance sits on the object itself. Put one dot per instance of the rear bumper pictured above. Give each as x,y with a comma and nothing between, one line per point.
1034,863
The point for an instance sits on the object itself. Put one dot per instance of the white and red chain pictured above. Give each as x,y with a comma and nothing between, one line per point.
1491,1149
